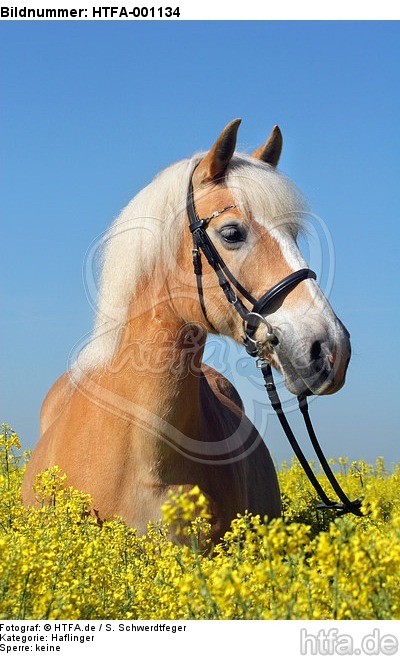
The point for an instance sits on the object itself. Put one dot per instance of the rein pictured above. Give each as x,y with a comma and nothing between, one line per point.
251,321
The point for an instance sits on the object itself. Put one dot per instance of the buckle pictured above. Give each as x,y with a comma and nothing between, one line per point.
200,224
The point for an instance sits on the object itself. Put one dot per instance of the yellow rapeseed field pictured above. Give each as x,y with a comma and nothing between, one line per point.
59,562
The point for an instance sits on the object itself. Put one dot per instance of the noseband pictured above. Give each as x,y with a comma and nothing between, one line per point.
251,321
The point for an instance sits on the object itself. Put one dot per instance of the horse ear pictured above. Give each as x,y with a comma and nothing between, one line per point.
270,152
215,163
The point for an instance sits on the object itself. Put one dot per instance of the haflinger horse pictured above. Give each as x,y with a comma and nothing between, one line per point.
138,414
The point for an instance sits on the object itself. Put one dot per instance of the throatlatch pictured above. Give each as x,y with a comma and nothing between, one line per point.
251,321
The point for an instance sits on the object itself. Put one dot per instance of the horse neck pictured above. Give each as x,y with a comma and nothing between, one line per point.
157,366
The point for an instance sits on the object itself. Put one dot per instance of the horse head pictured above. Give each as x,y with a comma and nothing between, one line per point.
252,215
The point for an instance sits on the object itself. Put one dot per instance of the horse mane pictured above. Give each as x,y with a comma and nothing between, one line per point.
149,229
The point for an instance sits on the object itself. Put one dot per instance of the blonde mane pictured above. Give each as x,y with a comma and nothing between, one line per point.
149,230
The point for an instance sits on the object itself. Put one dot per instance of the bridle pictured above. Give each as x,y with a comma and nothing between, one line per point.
251,320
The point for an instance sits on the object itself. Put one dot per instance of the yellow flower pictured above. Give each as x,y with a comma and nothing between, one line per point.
57,562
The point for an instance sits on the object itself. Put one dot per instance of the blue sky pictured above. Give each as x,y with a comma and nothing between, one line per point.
91,111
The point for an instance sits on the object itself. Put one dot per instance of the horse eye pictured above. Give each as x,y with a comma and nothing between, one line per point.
232,234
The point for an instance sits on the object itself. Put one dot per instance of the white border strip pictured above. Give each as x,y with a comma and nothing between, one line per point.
184,10
172,638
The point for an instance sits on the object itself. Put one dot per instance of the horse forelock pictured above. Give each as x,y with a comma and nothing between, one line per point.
265,194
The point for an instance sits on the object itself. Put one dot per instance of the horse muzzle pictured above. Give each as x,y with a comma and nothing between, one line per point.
312,365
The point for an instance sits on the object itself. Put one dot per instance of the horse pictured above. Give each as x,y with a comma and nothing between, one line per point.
138,414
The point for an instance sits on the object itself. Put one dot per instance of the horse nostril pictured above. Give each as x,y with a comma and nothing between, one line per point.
320,357
315,350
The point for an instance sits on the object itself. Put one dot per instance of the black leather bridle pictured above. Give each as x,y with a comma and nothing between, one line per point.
251,321
251,318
